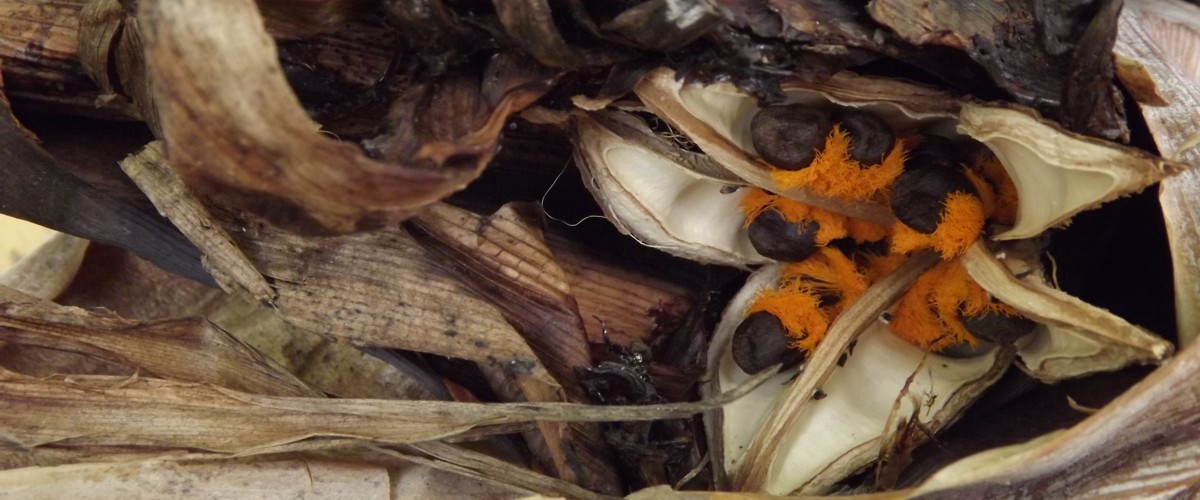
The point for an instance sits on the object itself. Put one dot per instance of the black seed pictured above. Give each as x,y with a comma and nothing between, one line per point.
963,350
931,173
789,136
935,151
761,341
998,328
778,239
871,138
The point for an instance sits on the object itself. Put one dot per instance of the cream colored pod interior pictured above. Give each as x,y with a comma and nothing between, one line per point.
841,433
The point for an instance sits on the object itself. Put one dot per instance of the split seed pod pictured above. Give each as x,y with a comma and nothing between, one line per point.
1057,173
665,197
840,432
1070,338
884,377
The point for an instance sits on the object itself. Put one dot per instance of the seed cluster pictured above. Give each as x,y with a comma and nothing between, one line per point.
941,197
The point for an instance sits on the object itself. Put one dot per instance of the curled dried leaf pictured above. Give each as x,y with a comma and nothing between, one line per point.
236,132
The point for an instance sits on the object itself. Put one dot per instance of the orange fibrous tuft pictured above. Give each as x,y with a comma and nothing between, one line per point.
827,273
831,226
797,302
960,225
928,314
876,266
798,310
834,173
1005,209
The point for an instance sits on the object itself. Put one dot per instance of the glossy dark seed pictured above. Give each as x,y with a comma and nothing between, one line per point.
935,151
932,172
778,239
871,138
998,328
963,350
761,341
789,137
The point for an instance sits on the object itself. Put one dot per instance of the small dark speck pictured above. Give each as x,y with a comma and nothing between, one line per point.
945,365
729,189
819,395
451,333
886,317
480,343
842,360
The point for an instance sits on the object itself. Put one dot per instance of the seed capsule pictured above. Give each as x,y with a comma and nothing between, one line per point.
930,175
776,238
788,137
998,327
871,138
761,341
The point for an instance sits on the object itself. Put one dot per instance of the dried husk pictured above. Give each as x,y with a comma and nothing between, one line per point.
1057,173
646,191
1041,157
1073,338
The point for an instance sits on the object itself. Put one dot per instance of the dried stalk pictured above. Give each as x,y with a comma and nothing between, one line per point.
160,183
86,411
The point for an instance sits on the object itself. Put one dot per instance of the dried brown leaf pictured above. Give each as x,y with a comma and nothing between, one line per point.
236,133
115,280
190,350
333,368
39,46
504,257
531,25
378,289
163,479
1172,126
